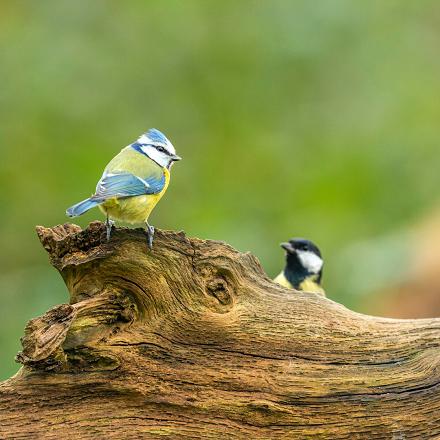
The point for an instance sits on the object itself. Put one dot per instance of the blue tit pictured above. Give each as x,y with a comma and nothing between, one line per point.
133,182
303,270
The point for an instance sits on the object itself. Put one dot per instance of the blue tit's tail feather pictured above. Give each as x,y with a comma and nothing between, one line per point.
82,207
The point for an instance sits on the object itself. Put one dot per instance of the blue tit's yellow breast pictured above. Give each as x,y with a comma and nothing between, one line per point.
134,209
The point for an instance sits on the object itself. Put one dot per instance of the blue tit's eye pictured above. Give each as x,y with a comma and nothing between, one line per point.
160,148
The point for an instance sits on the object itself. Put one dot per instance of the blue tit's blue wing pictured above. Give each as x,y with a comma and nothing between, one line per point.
127,185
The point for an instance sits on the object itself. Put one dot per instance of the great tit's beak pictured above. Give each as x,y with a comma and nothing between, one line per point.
287,247
175,157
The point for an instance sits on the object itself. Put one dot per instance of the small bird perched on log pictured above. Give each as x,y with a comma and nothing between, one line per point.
303,270
133,182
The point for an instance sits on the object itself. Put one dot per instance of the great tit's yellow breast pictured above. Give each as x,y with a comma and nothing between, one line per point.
309,285
283,281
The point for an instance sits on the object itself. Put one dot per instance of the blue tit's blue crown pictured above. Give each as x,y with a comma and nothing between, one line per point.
156,136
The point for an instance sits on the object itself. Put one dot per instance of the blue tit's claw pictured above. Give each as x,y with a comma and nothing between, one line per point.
109,225
150,236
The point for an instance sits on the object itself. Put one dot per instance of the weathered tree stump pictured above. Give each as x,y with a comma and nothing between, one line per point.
194,341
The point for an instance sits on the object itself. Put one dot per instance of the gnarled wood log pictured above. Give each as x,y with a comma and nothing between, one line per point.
193,340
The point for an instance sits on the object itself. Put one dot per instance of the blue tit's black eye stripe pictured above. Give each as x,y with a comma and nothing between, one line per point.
162,149
137,146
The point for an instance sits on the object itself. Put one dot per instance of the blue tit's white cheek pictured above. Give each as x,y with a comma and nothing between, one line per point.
160,158
312,262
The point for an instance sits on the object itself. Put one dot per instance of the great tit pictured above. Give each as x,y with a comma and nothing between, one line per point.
133,182
303,270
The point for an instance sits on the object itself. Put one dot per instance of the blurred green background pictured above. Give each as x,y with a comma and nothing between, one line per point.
294,118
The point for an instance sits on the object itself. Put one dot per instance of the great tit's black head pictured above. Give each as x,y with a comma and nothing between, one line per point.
303,255
296,245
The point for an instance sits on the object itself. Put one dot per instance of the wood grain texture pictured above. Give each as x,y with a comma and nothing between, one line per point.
194,341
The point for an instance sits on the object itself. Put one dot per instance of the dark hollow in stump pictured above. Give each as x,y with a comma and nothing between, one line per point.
194,341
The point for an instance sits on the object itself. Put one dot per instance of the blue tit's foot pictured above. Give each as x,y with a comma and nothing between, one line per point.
150,235
109,225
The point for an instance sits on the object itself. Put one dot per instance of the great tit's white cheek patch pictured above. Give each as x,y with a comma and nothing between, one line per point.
312,262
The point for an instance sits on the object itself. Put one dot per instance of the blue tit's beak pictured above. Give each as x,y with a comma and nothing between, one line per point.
287,247
175,158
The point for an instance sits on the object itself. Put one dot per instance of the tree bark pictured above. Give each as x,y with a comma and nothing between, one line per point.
193,340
